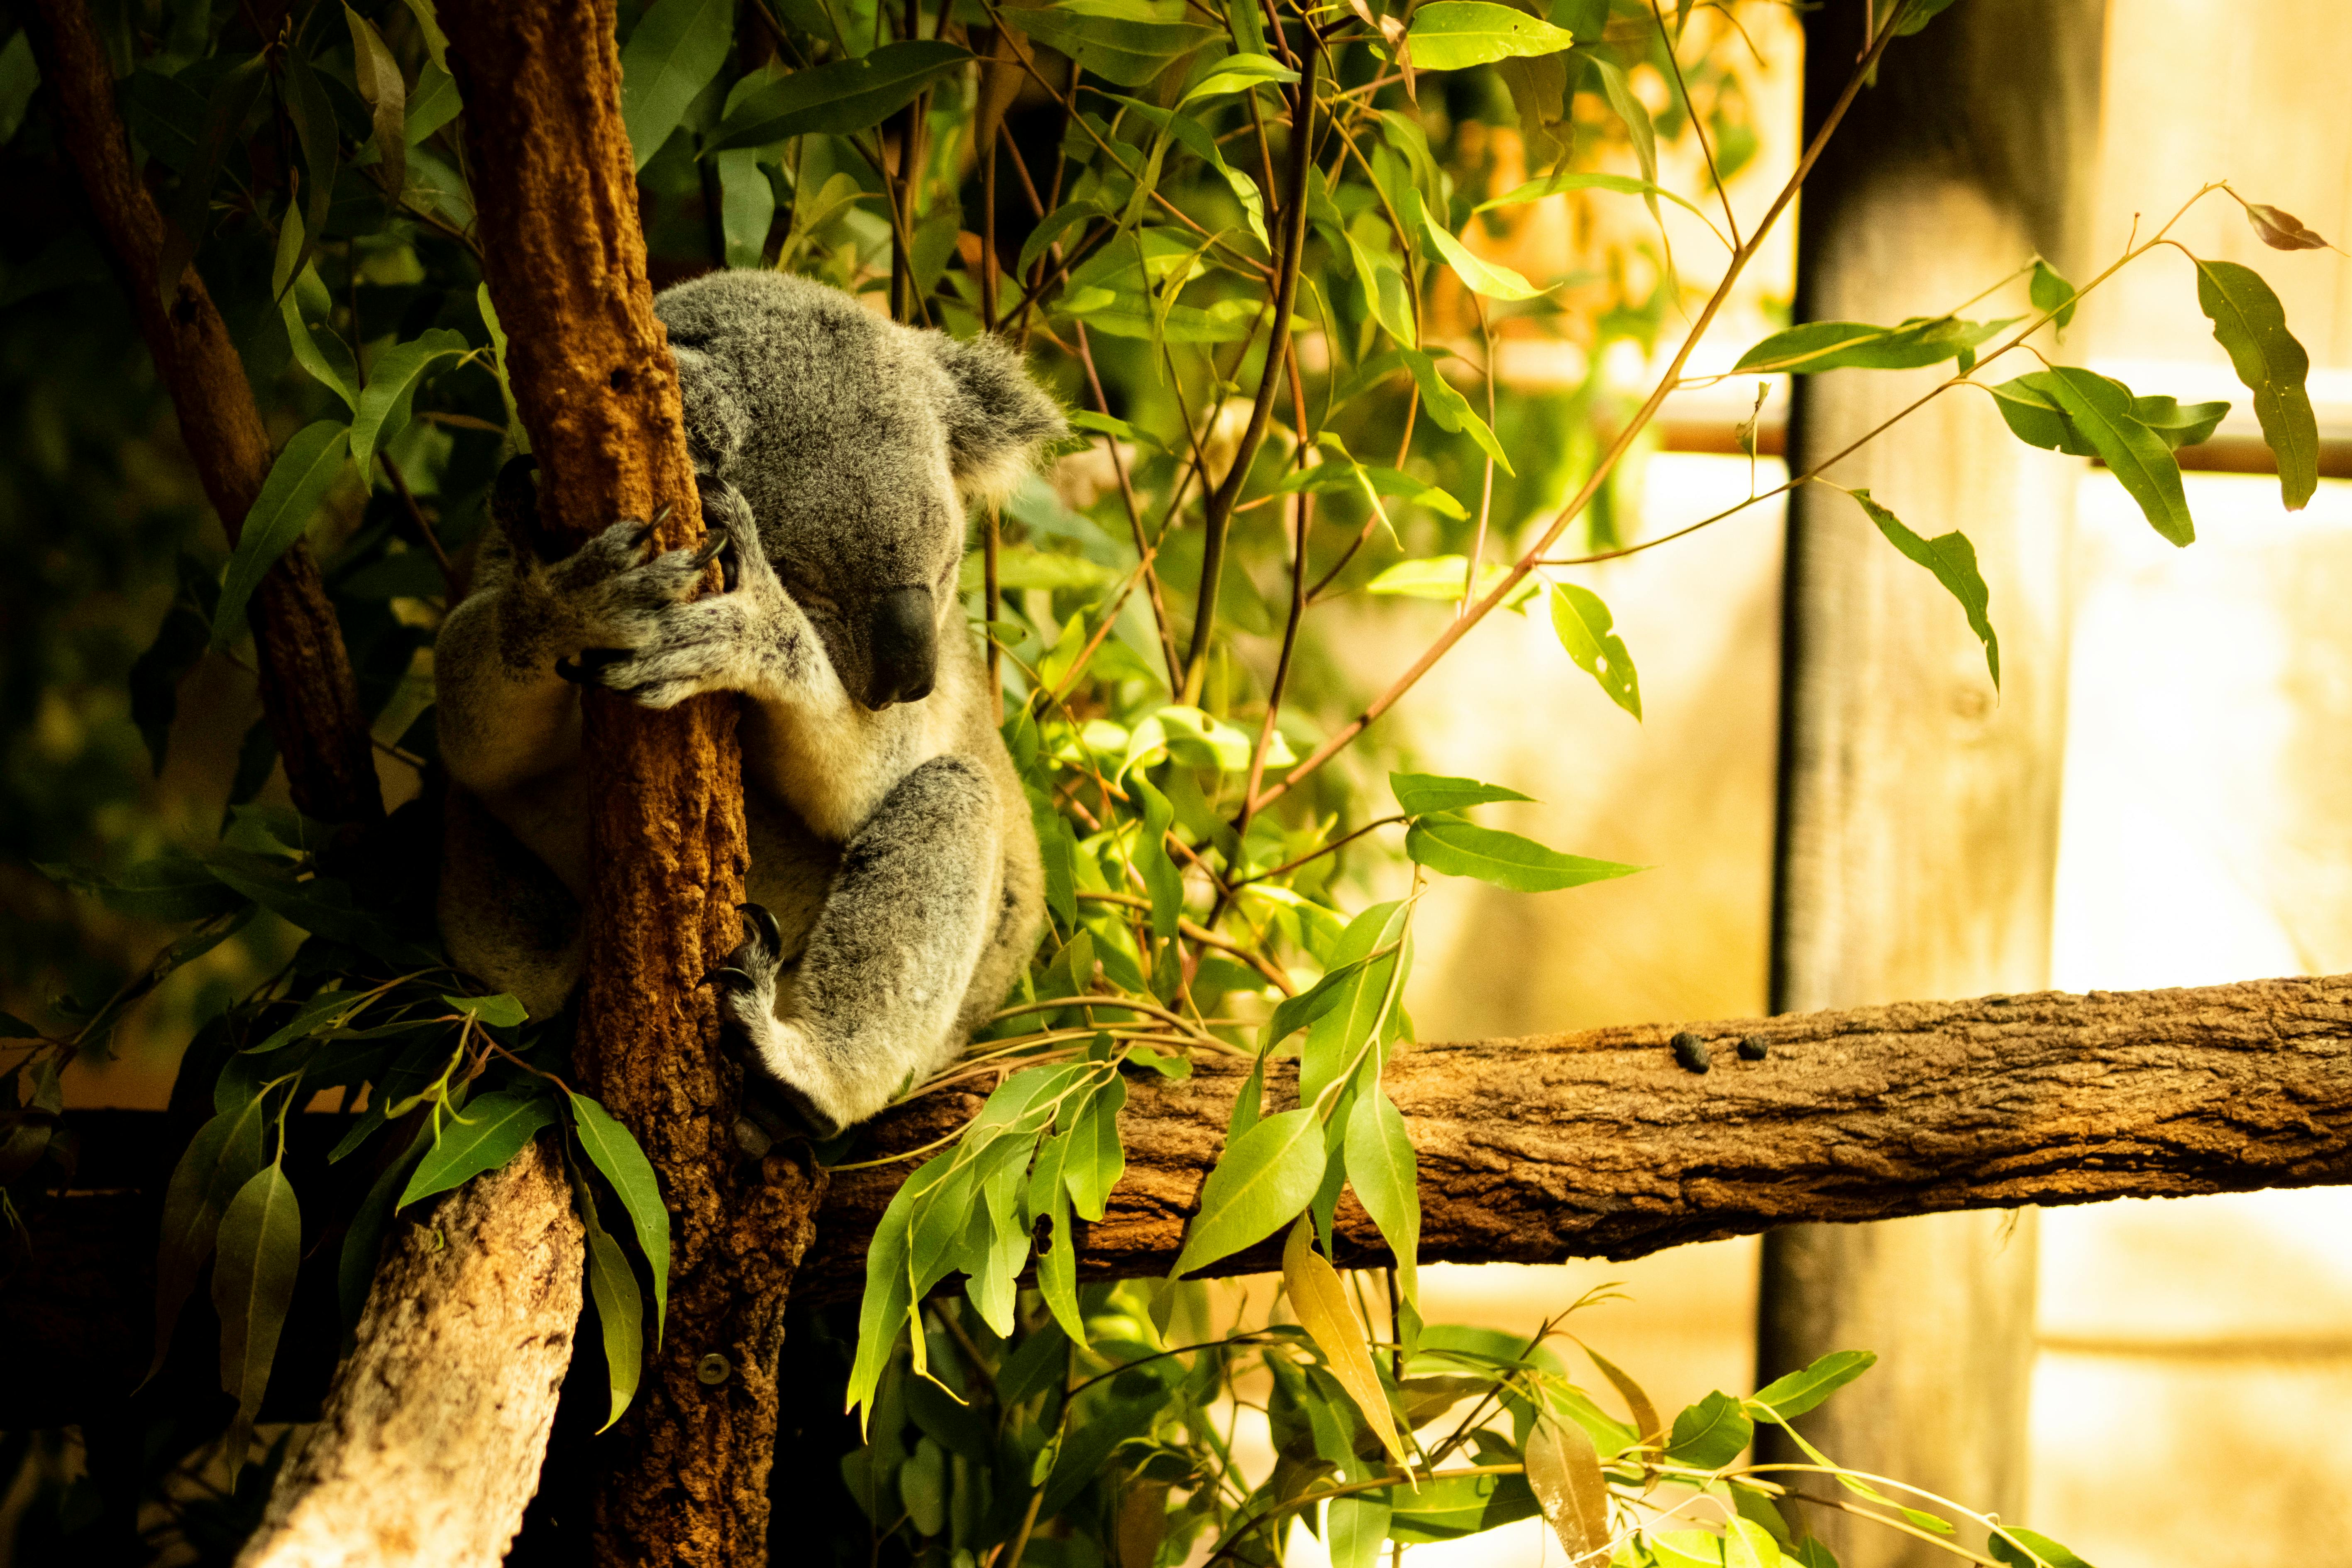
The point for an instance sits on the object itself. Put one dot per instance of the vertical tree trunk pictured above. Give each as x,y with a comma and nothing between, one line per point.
307,689
1918,812
684,1480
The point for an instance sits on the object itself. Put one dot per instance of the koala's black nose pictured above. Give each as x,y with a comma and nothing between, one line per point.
904,641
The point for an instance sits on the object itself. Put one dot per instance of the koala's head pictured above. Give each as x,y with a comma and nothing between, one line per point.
858,443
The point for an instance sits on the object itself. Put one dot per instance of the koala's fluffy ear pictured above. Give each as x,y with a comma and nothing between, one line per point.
997,418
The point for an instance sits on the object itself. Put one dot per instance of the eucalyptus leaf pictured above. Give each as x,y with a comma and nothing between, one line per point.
1857,345
219,1160
1447,405
1383,1170
2026,1548
488,1132
1425,794
1709,1435
1801,1391
1452,847
1450,34
620,1308
1320,1302
259,1250
624,1163
312,460
841,96
675,49
1260,1184
2101,410
1572,180
1582,624
2249,324
386,92
1124,41
1953,560
1563,1470
383,407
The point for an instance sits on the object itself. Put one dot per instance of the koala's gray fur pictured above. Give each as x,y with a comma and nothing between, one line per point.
889,834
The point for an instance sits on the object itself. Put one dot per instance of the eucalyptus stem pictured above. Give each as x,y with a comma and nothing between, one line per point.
1220,517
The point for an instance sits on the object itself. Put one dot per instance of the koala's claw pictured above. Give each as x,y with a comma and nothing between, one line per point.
758,916
581,668
712,545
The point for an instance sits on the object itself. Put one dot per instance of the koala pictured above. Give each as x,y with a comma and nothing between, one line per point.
895,881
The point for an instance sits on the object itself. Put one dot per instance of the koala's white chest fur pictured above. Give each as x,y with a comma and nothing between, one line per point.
833,761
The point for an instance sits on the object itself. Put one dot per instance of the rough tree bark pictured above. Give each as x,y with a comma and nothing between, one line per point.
1592,1144
307,689
1918,814
429,1445
1596,1144
685,1479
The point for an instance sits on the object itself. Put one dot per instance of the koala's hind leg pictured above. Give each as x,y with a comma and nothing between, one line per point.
876,995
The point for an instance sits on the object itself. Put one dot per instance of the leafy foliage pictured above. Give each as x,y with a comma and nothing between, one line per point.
1124,188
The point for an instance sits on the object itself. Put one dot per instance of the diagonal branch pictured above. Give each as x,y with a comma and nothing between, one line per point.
306,674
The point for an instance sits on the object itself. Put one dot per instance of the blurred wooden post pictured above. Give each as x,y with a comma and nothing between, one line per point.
1918,811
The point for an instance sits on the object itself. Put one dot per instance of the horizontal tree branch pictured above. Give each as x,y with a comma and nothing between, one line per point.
1543,1149
1599,1144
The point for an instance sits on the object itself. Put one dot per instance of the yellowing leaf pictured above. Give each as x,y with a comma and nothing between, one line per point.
1564,1472
1321,1304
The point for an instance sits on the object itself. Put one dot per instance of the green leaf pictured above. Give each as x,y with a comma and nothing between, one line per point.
1057,1248
313,116
1565,179
2101,410
1451,1507
483,1137
171,888
434,104
1357,1531
1444,577
1953,560
1337,1038
1858,345
298,480
1096,1159
2025,1549
215,1167
1452,847
1582,624
1630,109
1123,41
890,1286
620,1308
615,1153
2034,416
1264,1178
1296,1013
678,47
1479,275
1450,35
1161,877
1425,794
19,74
2249,324
1444,404
260,1248
393,380
1239,73
380,83
2049,292
840,98
1710,1434
1801,1391
1921,13
304,306
1381,1168
500,1010
327,1009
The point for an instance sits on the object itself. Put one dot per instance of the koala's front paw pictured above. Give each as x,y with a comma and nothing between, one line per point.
642,637
784,1058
